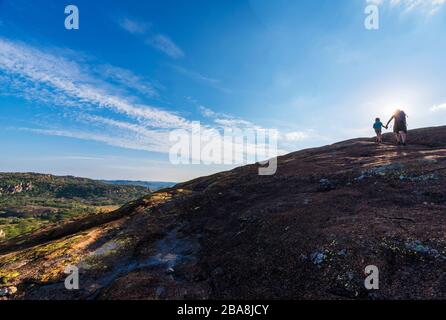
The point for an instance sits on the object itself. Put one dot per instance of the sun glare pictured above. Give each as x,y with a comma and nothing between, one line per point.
387,107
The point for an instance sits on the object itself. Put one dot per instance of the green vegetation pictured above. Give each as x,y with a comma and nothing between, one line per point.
6,277
30,201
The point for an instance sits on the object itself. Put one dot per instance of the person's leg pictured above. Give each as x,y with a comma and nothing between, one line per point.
380,138
403,136
397,136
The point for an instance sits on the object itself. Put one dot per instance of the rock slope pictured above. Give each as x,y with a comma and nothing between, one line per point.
307,232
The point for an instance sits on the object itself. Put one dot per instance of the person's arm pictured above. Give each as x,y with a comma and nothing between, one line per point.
387,125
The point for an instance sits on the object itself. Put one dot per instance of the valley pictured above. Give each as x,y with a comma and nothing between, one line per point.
30,201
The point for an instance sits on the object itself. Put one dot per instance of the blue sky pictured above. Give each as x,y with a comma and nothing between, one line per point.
100,101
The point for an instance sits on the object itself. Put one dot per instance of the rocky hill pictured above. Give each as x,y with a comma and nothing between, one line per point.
307,232
29,201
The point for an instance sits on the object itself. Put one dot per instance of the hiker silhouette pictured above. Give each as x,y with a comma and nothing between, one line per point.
378,125
399,126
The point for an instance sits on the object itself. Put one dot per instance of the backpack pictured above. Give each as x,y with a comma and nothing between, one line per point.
401,116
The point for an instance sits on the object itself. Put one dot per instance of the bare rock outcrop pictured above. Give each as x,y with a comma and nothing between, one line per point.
307,232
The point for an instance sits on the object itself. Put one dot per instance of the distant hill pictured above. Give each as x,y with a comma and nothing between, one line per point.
29,201
152,185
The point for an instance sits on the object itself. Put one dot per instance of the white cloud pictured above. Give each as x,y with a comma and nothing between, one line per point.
157,139
235,123
288,141
225,120
71,157
128,79
83,91
429,7
166,45
377,2
158,41
439,107
208,112
37,75
69,83
295,136
128,143
196,75
133,26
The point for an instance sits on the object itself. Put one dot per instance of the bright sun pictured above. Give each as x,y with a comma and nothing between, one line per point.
388,108
396,98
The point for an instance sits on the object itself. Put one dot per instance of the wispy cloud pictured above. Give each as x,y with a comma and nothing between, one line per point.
199,77
154,137
128,143
38,75
72,157
295,136
164,44
133,26
65,82
128,79
225,120
235,123
160,42
207,112
429,7
439,107
85,93
196,75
